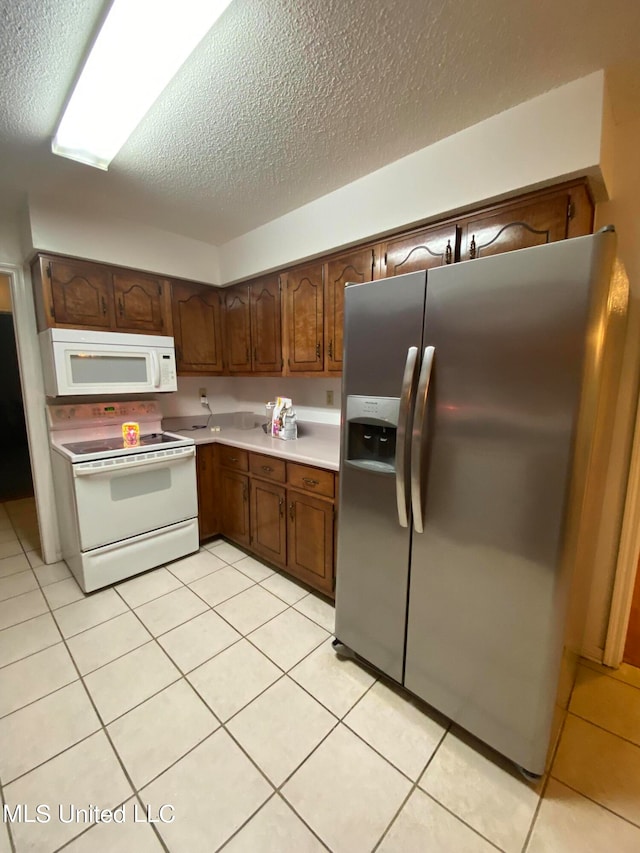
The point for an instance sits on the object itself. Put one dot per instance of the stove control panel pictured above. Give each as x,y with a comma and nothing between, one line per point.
93,414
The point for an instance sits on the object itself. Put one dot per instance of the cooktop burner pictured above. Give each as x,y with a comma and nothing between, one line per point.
116,443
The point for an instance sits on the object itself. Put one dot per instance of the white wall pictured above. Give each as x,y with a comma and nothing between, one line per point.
85,233
554,136
621,144
245,393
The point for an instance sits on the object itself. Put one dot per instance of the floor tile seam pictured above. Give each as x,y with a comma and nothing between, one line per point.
616,679
84,831
275,794
3,801
103,727
306,655
155,597
636,744
311,617
178,625
244,707
84,630
461,819
98,724
19,553
545,782
340,717
212,606
44,696
146,642
595,802
200,577
17,571
30,654
603,669
44,586
289,603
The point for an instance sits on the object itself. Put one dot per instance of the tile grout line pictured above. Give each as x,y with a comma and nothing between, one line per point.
595,802
634,743
106,734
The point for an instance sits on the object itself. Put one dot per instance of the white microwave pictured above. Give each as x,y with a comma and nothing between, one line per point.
78,362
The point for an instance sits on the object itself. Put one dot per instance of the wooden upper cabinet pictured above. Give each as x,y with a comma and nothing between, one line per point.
353,267
266,335
237,329
79,294
516,226
422,250
305,319
197,328
140,303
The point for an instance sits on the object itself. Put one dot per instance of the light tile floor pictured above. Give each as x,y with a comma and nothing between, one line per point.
211,685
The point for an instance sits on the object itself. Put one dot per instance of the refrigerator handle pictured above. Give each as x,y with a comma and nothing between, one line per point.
417,439
406,397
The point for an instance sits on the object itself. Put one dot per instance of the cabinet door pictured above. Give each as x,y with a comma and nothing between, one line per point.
268,521
140,303
81,294
265,325
422,250
304,311
515,226
237,329
310,540
353,267
208,520
196,328
234,492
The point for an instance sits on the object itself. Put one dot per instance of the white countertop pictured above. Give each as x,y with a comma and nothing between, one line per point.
317,444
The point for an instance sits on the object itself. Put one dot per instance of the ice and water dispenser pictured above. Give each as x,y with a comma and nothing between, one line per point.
372,423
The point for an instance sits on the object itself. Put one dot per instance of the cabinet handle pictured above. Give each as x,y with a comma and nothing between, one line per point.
255,355
281,505
232,458
267,469
331,348
317,351
448,255
291,511
120,307
248,356
472,247
244,492
310,482
104,306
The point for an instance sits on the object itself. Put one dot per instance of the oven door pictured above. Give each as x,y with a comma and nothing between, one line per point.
128,495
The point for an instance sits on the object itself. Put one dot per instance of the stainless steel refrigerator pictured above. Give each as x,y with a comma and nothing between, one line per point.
477,405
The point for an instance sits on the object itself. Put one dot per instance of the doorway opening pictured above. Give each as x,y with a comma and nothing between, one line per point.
16,482
632,642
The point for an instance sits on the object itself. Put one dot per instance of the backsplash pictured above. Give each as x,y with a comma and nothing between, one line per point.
248,393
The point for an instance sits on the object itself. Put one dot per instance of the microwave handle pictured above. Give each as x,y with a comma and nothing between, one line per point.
156,368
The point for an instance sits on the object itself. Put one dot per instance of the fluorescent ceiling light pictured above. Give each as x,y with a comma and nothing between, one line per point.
141,45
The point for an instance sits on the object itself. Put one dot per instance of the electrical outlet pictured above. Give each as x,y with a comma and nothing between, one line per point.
202,392
329,398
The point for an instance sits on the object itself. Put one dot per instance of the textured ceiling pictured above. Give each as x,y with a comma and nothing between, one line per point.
286,100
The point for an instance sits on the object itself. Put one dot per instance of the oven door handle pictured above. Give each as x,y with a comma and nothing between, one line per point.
121,467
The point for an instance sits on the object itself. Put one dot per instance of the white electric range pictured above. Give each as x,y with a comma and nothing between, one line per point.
121,510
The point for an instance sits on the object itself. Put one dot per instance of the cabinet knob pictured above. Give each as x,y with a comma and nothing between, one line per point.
232,458
317,351
310,482
267,469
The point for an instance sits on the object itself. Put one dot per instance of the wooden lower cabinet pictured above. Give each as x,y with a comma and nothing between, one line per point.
310,540
281,511
208,504
268,521
234,497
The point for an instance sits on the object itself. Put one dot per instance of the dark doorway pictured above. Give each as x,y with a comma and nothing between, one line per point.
15,465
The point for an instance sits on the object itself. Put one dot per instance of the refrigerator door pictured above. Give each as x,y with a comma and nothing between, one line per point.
383,335
487,608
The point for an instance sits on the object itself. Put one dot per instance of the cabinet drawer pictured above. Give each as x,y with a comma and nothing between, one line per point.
233,457
268,467
310,479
